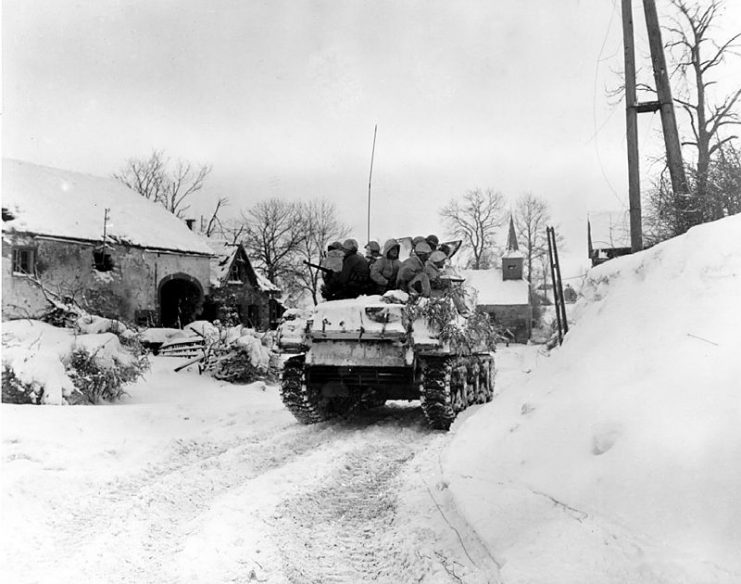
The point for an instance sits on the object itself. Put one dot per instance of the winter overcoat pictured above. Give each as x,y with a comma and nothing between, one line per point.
384,270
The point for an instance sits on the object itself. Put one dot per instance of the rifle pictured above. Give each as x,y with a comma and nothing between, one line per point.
318,267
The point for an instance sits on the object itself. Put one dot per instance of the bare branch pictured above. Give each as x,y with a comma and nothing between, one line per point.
152,179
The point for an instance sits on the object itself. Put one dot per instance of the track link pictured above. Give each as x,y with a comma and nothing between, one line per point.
451,384
303,402
306,402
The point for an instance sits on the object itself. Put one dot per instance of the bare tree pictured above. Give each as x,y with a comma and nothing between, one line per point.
321,226
697,57
152,178
722,196
214,224
724,182
531,216
475,218
274,230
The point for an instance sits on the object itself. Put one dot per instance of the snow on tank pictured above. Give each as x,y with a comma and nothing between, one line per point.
363,351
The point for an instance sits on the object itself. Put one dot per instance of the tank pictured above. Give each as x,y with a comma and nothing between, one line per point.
360,352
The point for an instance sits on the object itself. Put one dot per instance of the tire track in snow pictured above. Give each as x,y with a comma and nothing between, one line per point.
373,518
323,503
340,532
129,528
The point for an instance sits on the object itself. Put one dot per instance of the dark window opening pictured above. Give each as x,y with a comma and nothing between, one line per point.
24,261
7,214
103,259
235,274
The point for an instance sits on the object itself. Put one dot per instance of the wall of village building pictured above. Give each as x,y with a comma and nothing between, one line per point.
128,291
241,304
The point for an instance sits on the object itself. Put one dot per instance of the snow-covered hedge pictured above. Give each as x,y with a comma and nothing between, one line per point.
44,364
240,355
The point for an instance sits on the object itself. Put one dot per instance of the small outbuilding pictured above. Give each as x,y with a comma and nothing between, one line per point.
608,236
239,294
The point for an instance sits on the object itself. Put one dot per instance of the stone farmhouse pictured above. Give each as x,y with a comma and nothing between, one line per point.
504,294
98,242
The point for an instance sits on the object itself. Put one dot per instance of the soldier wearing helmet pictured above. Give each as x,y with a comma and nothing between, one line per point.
372,252
433,268
352,280
354,277
412,278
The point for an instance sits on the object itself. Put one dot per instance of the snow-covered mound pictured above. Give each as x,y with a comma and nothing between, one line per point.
39,355
619,459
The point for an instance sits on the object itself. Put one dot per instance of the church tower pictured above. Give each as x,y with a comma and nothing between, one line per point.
512,259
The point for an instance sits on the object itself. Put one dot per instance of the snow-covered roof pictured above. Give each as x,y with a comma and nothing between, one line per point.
224,255
265,285
610,229
61,203
494,290
221,261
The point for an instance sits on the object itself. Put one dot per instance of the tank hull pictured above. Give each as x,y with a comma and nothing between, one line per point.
360,353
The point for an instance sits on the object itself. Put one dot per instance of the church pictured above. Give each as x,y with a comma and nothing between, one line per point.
504,294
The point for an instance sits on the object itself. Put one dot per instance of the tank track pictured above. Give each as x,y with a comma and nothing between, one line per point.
451,384
304,404
307,403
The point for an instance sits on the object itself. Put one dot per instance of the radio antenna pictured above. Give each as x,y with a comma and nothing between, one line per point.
370,177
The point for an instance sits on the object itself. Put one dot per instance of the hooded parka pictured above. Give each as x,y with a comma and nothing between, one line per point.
384,270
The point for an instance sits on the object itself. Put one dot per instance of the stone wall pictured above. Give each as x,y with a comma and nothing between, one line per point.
66,268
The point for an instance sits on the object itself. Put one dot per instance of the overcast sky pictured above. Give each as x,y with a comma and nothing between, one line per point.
281,98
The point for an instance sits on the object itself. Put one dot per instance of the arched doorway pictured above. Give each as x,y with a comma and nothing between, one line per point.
181,300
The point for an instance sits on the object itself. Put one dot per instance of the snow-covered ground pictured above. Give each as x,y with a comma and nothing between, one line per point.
619,459
194,480
615,459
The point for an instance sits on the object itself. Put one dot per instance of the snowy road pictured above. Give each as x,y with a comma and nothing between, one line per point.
175,488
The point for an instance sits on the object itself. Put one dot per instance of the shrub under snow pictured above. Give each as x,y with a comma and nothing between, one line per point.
50,365
239,355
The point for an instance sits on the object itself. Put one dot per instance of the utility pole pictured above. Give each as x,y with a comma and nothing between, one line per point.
631,126
664,94
664,104
106,217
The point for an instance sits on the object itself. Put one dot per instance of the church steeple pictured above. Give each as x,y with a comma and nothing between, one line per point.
512,259
512,237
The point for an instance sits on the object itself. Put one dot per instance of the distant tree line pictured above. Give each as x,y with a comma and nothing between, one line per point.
480,219
280,236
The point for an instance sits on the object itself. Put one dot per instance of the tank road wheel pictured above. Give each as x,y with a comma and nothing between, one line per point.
436,392
458,388
486,378
470,385
474,376
303,402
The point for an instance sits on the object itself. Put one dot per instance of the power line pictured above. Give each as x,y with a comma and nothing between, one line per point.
593,139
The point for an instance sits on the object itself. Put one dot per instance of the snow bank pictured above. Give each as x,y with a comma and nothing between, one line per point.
39,354
618,460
